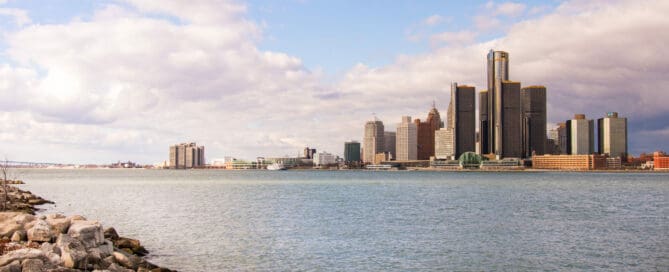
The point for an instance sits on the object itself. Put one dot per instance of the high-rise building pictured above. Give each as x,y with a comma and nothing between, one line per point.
389,140
533,107
498,73
406,141
425,134
351,151
186,155
460,132
373,141
309,153
508,139
562,138
484,124
612,136
580,135
323,159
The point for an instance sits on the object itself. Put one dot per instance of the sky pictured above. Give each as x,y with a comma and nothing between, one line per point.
102,81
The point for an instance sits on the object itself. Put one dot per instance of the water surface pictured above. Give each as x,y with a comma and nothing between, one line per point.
203,220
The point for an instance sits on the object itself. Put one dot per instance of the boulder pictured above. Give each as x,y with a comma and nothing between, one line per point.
117,268
40,232
72,251
32,265
15,266
59,224
89,232
22,254
127,260
49,248
111,234
76,217
18,236
12,221
106,249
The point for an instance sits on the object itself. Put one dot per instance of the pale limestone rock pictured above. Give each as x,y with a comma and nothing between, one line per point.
127,260
11,267
32,265
59,224
72,251
22,254
89,232
18,236
40,232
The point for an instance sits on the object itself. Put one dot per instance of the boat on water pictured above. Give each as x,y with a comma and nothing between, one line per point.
276,166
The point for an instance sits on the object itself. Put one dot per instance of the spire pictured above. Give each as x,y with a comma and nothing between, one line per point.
433,104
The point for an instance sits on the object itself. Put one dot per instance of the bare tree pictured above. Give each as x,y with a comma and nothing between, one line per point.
4,170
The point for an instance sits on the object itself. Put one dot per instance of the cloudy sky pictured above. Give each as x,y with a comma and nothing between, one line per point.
100,81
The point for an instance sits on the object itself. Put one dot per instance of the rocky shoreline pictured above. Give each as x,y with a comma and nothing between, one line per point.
61,243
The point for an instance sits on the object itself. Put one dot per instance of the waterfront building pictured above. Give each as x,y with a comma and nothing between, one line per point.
425,134
443,144
382,157
484,124
373,141
569,162
309,153
406,140
324,159
460,131
660,161
533,107
612,135
389,140
580,136
186,155
351,151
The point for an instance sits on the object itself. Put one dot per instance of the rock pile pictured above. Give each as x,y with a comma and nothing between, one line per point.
22,201
58,243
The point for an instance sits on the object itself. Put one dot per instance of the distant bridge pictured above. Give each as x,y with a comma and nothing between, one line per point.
32,164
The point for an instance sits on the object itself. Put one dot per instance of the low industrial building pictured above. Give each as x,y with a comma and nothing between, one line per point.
569,162
660,161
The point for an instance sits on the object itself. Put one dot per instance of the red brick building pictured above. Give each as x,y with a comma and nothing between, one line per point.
425,131
661,161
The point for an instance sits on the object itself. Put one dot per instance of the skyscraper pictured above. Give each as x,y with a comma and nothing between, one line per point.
351,151
612,136
425,133
484,124
498,73
533,106
580,136
186,155
389,138
461,122
508,139
406,141
562,138
373,141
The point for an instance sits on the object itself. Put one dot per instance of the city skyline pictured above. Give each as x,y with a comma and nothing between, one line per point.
92,83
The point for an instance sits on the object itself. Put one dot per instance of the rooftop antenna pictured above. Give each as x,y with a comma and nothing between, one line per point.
433,104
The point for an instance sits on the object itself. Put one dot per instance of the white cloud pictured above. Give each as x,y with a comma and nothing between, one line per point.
124,85
510,9
20,16
433,20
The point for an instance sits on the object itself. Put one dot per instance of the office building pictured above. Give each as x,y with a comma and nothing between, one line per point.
484,125
389,140
425,134
580,136
660,161
460,131
562,138
569,162
533,107
612,136
186,155
373,141
309,153
351,151
324,159
508,139
406,140
498,72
